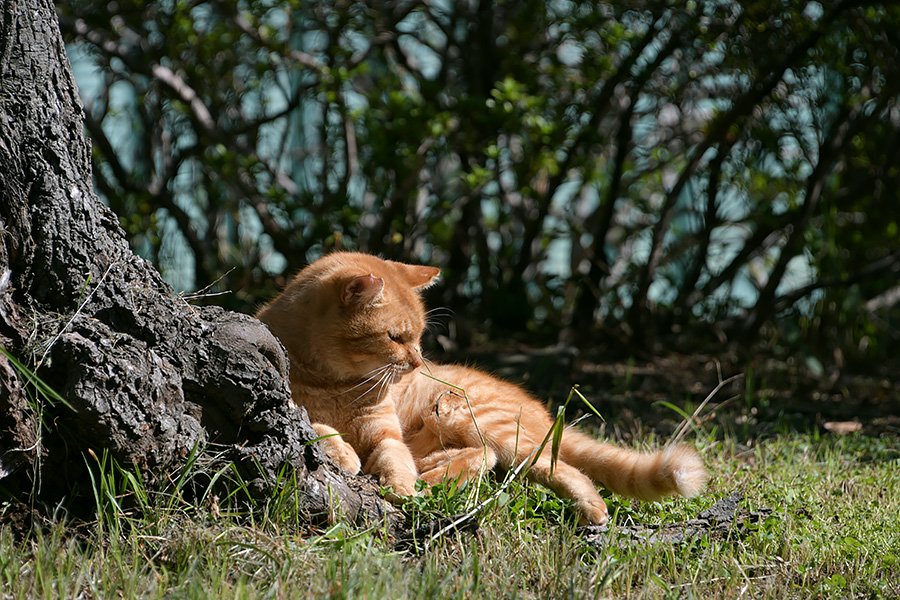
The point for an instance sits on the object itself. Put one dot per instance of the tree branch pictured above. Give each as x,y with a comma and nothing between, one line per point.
719,132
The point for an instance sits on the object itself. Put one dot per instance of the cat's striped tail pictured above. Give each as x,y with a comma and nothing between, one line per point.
648,476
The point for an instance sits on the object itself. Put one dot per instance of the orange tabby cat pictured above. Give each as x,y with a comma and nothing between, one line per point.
351,324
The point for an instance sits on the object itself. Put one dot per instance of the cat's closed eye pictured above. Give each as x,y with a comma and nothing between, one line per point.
396,338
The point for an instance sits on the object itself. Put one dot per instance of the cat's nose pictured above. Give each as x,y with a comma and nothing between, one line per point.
415,360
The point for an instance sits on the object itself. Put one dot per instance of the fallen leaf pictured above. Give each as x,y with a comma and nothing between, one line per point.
842,427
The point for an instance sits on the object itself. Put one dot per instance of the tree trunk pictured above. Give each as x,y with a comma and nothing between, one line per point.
145,376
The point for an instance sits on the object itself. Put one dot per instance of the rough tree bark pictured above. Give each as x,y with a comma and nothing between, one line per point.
148,376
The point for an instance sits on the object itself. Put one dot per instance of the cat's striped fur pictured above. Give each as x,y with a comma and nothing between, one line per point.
352,323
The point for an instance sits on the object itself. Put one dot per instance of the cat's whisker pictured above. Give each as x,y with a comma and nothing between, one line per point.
374,380
377,385
438,317
385,384
367,391
432,323
373,374
394,373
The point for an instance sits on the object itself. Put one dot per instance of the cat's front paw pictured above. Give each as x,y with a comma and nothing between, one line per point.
342,454
399,492
339,451
592,512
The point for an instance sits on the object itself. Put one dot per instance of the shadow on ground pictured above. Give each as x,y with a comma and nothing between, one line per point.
758,397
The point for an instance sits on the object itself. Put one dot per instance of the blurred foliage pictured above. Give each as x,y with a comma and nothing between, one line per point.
720,169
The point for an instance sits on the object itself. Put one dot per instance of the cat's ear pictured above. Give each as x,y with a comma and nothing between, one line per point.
362,290
421,277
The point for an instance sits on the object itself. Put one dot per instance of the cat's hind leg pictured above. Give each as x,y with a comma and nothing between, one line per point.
568,482
455,463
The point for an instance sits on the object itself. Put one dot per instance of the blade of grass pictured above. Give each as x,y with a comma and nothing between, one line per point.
43,389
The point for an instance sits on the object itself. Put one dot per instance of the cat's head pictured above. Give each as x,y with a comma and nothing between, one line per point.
347,315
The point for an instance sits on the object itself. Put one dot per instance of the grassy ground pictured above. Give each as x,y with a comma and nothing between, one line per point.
834,532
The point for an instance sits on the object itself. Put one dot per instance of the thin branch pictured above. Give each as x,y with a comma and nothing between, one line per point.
884,266
719,131
842,131
172,80
710,222
186,93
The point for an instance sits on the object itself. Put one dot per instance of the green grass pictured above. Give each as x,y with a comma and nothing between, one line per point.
835,533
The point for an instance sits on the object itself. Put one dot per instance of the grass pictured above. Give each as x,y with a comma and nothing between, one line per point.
835,533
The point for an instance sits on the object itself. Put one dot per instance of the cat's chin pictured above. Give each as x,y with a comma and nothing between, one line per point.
384,374
403,369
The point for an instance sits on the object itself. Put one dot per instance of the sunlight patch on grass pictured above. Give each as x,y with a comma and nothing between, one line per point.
834,532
